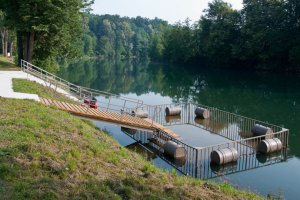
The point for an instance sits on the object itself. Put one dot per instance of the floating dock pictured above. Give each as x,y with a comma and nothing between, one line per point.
121,119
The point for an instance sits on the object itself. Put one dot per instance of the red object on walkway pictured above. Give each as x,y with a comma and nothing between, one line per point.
91,101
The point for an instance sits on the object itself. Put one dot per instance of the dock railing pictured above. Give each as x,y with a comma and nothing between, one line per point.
228,125
106,101
198,161
231,126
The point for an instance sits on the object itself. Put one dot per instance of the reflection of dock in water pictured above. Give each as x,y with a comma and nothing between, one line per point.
197,168
197,163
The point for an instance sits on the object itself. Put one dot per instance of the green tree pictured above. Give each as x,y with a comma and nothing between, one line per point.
178,43
219,32
45,29
157,48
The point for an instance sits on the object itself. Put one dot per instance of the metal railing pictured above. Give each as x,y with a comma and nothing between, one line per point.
106,101
228,125
233,127
198,162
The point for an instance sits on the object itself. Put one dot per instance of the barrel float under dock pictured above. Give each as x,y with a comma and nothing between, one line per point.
172,111
129,130
202,113
212,126
260,130
140,113
223,156
217,169
245,134
173,119
267,158
174,150
269,145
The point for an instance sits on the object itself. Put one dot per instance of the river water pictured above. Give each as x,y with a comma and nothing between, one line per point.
273,98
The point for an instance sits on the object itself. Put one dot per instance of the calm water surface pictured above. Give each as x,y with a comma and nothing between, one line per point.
274,98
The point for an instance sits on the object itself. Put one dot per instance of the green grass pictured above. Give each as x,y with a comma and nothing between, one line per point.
6,64
46,153
26,86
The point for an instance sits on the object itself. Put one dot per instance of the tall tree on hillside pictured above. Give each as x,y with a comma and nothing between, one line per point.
11,41
293,31
264,38
45,29
5,42
219,31
4,34
178,44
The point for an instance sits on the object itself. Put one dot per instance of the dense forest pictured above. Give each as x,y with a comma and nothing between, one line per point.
42,39
112,36
43,30
265,34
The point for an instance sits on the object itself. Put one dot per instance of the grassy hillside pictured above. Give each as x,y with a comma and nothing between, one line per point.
26,86
49,154
6,64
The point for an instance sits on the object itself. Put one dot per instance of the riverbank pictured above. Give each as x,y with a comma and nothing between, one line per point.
49,154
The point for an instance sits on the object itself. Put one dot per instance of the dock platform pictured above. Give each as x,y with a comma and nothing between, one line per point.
119,118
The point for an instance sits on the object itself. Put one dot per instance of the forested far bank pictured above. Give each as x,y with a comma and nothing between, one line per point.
265,35
31,31
112,36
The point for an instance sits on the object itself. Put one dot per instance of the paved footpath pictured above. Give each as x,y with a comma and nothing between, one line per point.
6,86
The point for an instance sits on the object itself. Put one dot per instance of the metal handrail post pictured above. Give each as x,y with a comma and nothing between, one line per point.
124,104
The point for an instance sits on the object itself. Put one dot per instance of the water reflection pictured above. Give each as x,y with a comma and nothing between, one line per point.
263,96
267,97
190,164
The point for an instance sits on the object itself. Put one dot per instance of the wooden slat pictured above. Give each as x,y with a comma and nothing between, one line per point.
159,126
56,104
110,116
67,106
72,106
43,102
46,102
79,108
94,112
49,102
62,105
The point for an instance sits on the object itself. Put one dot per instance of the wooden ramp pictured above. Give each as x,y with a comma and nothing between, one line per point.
84,110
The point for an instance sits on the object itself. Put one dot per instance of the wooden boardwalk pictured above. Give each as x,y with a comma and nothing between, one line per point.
84,110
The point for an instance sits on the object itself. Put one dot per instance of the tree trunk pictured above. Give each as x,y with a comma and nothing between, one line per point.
5,42
2,38
20,46
11,48
25,47
28,46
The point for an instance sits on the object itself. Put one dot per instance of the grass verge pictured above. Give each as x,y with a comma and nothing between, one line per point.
7,64
49,154
26,86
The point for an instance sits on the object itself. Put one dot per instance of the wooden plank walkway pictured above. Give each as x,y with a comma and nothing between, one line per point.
86,111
